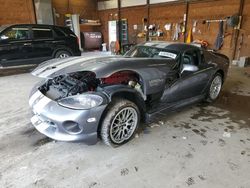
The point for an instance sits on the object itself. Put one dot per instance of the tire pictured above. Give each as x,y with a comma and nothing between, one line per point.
214,88
62,54
120,123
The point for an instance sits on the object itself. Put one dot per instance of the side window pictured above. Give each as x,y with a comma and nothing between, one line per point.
42,33
59,33
191,57
207,56
16,33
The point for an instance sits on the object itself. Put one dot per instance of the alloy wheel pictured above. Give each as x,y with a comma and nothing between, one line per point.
63,55
215,87
123,125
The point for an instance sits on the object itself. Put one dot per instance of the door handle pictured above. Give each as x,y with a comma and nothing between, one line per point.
27,44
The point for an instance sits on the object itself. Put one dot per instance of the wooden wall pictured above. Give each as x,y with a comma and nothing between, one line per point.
134,16
163,13
85,8
16,11
105,16
21,11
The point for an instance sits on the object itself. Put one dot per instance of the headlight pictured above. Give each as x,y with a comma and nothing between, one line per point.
81,102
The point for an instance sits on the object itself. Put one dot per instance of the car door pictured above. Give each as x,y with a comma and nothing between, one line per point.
15,46
42,43
193,78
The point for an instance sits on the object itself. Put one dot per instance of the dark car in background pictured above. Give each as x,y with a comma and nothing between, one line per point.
29,44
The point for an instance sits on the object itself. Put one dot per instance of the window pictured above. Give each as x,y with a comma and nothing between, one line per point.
16,33
42,33
191,58
59,33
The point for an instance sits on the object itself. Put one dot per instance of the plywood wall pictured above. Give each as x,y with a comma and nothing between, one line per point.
85,8
134,16
105,16
213,10
16,11
163,13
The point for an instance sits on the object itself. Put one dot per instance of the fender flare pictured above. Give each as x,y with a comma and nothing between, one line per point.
125,92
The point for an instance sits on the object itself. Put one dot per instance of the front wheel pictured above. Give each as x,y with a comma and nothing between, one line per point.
120,123
215,88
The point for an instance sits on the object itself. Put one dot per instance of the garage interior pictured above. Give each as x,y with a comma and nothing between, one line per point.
203,145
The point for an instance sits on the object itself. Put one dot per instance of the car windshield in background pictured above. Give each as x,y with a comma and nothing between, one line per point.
151,52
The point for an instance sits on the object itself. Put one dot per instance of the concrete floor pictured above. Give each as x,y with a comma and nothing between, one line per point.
200,146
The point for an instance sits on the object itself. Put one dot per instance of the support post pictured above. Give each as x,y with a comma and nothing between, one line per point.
186,20
237,33
119,25
148,18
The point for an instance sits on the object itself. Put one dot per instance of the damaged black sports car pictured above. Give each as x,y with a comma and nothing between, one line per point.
83,99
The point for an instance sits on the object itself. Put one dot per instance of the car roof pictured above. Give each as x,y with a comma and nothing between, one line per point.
43,25
176,46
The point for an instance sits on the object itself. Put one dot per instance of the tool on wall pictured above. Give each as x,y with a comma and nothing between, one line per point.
195,22
234,21
144,31
240,45
168,28
220,37
177,30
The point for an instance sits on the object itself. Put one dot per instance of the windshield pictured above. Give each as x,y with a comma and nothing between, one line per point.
151,52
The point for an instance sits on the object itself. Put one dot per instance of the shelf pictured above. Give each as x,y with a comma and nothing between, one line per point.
90,24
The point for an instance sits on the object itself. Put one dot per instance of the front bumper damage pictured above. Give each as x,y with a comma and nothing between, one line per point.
62,123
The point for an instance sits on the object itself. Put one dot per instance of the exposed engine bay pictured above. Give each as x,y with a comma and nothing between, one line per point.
79,82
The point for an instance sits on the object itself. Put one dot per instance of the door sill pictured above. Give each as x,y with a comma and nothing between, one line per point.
164,108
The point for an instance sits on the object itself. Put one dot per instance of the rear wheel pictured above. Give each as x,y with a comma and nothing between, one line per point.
215,88
62,54
120,123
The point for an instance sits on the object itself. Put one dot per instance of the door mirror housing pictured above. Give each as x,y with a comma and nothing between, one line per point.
189,68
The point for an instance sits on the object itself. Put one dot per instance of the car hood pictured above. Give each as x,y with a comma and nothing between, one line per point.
101,66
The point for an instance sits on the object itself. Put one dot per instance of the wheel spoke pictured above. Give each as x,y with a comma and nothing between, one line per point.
116,131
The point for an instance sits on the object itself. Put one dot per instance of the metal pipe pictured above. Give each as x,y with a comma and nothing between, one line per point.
221,20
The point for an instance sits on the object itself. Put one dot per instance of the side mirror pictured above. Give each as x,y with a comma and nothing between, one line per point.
189,68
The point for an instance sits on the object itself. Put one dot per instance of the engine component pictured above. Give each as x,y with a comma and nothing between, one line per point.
70,84
120,78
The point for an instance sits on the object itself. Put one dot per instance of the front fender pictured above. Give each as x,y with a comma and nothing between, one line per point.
125,92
